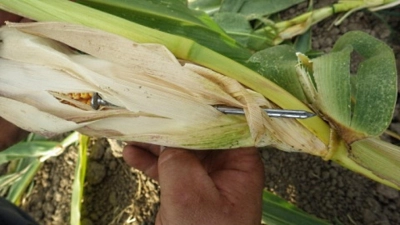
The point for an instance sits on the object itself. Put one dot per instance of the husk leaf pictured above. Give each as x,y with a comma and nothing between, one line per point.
160,100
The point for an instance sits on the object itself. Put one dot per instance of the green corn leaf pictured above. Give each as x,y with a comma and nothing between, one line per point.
7,179
278,64
30,166
331,73
257,8
208,6
235,25
14,175
36,137
280,212
29,157
235,17
175,18
79,181
375,83
358,105
232,6
303,42
29,149
238,27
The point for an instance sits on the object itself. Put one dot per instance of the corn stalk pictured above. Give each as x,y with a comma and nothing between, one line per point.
172,102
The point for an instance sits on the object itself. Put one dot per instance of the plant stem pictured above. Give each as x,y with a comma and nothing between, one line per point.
79,180
341,157
318,15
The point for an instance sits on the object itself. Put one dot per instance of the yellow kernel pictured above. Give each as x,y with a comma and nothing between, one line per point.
85,95
75,96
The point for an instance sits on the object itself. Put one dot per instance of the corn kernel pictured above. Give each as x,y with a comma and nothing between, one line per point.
84,95
75,96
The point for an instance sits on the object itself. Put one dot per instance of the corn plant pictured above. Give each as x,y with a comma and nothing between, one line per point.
79,181
165,68
25,159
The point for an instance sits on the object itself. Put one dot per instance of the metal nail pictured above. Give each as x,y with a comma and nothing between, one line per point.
282,113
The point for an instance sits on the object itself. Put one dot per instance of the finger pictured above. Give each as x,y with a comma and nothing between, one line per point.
239,176
6,16
141,159
154,149
183,180
239,167
10,134
241,159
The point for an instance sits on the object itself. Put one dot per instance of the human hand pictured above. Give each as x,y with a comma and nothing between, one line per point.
203,187
10,134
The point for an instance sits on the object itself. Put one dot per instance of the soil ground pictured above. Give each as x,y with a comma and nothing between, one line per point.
117,194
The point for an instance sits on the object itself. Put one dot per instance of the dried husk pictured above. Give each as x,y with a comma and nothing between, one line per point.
160,100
